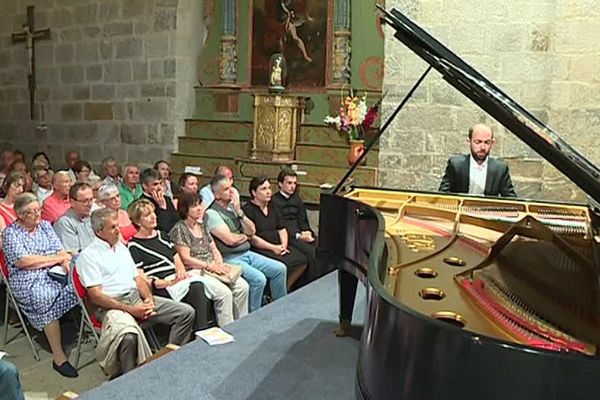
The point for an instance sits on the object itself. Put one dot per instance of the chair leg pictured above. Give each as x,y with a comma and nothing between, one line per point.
152,339
6,309
29,338
79,342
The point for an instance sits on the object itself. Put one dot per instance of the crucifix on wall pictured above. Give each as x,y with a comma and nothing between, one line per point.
29,35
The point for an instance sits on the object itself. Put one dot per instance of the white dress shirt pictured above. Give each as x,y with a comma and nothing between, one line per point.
477,176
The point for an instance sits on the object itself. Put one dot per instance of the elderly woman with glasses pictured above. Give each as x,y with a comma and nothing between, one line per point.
31,248
110,197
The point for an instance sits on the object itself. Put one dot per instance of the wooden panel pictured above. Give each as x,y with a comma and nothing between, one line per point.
324,135
334,156
218,130
212,147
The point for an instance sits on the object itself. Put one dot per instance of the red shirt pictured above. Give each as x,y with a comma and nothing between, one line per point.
54,207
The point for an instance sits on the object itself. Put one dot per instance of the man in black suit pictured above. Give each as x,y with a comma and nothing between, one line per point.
477,173
295,219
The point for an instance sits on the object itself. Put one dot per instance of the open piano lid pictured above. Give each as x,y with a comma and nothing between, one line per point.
496,103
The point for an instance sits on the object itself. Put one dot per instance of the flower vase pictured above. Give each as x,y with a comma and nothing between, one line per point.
357,148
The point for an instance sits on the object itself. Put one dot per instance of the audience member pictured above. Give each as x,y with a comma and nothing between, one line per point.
163,205
18,155
43,181
188,183
6,158
71,157
10,386
198,252
295,219
74,228
154,253
82,170
130,189
21,166
164,171
31,247
95,182
121,296
13,187
57,203
231,230
271,238
110,171
109,197
206,192
40,160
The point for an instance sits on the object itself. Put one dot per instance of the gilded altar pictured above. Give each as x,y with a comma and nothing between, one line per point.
277,120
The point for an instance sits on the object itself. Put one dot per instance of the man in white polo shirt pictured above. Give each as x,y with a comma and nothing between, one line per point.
109,273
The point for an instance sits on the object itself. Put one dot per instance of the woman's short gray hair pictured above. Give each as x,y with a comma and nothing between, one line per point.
106,191
99,217
23,200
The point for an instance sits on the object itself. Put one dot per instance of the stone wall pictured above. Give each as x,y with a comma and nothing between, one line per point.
542,53
116,77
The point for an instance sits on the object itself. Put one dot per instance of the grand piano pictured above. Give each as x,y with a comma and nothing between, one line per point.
470,297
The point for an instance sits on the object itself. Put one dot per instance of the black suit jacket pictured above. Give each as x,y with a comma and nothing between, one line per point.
497,182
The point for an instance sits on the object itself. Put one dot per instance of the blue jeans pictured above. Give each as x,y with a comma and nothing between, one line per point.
10,387
256,268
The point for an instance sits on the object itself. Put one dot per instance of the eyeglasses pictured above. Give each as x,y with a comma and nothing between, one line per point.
85,201
34,211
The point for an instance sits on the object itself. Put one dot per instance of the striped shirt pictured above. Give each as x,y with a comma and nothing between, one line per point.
154,255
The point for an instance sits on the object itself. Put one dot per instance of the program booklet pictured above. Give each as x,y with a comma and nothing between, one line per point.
214,336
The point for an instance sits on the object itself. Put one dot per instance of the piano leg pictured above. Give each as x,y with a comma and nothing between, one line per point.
347,286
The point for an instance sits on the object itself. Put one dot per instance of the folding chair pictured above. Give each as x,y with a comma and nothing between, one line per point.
90,323
11,301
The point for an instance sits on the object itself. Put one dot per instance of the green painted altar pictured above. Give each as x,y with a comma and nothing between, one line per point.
329,46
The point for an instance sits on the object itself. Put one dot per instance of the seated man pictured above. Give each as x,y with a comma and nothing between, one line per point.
121,294
10,387
294,218
130,189
74,228
110,170
206,191
57,203
165,211
231,230
477,173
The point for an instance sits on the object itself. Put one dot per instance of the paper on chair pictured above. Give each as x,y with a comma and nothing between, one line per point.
2,354
214,336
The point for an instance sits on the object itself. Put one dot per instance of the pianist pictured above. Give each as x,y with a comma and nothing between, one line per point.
477,173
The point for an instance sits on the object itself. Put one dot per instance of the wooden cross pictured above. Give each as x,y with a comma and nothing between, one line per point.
29,36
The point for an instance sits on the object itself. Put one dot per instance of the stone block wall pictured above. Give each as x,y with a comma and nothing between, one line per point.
116,78
545,54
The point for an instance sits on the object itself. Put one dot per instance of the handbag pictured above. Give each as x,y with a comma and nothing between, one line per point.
234,273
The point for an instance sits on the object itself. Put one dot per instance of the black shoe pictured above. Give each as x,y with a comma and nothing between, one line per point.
66,369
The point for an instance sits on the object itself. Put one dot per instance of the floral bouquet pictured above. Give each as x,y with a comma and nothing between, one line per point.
354,117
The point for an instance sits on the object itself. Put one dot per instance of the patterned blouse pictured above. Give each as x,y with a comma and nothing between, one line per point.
199,247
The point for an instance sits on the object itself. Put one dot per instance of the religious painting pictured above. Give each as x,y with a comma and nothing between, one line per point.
298,29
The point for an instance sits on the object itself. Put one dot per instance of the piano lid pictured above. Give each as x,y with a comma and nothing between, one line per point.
496,103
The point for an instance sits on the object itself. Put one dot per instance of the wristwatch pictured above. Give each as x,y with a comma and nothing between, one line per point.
241,215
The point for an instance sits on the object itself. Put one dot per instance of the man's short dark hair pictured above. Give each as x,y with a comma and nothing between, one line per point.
285,171
148,175
76,188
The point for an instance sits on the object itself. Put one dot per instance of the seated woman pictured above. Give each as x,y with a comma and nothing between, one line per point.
13,186
20,166
198,251
271,238
155,254
188,183
31,247
110,197
164,170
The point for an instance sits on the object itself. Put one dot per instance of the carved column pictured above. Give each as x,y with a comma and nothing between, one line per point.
228,62
341,71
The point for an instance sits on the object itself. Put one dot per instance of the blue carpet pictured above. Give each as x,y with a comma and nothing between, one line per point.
285,350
